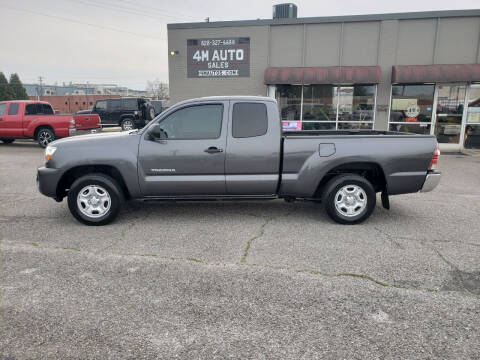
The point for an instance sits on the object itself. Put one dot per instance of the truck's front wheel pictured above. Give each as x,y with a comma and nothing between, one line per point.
95,199
349,198
127,124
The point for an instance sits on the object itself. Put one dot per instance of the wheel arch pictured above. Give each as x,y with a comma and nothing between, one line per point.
76,172
372,171
38,127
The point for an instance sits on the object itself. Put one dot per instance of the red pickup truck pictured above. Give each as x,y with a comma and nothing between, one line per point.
29,119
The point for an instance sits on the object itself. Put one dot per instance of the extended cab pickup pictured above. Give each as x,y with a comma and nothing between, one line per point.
37,120
233,148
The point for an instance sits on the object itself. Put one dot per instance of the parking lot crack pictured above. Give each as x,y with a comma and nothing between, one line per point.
390,237
465,284
260,233
353,275
460,280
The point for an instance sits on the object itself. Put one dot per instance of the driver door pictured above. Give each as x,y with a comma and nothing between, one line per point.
190,158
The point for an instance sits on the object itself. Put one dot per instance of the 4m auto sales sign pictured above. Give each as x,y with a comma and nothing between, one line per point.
214,58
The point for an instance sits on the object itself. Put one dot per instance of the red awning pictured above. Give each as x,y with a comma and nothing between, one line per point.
323,75
435,73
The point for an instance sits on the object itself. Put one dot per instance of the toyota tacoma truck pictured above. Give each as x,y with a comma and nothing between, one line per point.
28,119
233,148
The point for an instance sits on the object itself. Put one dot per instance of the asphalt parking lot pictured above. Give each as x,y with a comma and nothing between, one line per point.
258,280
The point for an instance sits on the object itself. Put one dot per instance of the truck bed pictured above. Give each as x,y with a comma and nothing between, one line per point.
309,155
343,132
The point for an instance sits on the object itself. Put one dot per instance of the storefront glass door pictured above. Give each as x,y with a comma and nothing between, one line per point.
472,128
450,109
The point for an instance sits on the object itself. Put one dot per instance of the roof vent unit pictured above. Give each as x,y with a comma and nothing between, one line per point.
285,11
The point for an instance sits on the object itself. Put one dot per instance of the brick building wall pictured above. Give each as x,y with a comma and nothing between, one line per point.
70,104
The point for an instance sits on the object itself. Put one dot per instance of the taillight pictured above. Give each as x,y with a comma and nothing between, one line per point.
72,122
434,161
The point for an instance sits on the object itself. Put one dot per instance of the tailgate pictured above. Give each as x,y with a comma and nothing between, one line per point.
87,121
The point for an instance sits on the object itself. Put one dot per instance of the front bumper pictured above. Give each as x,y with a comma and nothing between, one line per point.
431,181
47,181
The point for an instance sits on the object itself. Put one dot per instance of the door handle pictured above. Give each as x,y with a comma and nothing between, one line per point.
213,150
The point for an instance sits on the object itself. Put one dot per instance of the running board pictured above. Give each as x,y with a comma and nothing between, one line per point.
210,197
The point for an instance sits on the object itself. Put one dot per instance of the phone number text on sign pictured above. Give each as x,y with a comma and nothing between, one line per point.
229,57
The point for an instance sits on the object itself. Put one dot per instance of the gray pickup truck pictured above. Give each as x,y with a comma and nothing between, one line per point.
233,148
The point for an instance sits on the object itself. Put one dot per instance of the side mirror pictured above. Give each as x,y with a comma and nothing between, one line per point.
156,133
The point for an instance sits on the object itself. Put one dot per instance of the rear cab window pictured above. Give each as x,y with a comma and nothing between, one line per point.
2,109
38,109
46,109
31,109
249,120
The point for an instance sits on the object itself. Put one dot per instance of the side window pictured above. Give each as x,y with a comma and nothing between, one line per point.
2,109
101,105
13,109
31,109
130,104
194,122
114,104
249,120
46,109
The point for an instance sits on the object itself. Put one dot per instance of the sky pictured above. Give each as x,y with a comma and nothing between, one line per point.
124,42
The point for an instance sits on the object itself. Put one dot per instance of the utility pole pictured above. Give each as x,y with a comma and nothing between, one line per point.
40,80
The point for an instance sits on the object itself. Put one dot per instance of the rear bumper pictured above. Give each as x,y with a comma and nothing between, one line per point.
88,131
47,181
431,181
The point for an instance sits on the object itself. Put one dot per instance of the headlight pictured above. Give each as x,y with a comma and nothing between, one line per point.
49,151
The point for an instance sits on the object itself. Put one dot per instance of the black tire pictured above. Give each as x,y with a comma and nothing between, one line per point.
150,113
337,205
45,136
7,140
127,124
100,181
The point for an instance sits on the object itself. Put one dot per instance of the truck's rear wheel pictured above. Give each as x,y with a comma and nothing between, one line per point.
45,136
349,198
95,199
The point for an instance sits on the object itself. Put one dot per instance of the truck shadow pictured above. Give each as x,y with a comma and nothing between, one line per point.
24,144
297,212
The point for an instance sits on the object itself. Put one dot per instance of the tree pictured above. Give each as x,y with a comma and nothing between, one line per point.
17,88
157,90
6,92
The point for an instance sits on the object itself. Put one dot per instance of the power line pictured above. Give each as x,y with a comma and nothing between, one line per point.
156,9
117,8
140,10
82,23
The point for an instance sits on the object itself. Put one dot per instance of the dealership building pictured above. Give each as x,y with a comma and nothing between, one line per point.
410,72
